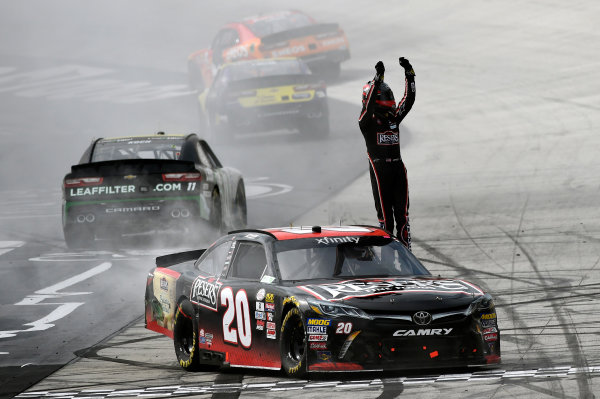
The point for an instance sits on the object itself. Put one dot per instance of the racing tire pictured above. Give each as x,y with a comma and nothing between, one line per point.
293,345
78,238
185,337
240,211
216,213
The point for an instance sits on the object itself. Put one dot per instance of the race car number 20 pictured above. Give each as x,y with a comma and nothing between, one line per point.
237,309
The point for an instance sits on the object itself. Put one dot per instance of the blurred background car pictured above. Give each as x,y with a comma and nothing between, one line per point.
323,46
262,95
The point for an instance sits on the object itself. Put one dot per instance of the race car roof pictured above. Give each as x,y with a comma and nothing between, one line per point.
292,233
144,136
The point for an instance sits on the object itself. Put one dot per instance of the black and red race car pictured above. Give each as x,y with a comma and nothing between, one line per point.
323,46
318,299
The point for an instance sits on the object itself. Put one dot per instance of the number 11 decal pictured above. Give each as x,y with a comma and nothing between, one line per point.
236,307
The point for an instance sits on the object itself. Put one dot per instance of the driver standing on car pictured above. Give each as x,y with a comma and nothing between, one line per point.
379,123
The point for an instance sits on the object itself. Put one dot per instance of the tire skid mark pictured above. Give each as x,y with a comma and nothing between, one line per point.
469,236
579,358
479,272
470,275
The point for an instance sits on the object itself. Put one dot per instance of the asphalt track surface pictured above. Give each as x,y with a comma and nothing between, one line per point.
501,149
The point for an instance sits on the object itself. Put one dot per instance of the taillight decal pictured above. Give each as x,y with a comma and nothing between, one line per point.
194,176
83,181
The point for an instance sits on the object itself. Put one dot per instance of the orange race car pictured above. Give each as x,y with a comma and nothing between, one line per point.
323,46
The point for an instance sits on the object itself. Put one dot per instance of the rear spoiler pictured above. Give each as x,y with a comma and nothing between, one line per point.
131,166
179,257
314,29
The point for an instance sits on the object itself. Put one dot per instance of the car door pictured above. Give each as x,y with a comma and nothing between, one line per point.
247,308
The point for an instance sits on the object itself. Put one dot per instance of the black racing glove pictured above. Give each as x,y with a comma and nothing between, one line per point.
408,69
380,70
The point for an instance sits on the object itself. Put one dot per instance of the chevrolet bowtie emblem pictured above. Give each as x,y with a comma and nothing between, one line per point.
129,177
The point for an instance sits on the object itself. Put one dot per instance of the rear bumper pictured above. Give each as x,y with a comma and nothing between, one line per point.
269,117
134,215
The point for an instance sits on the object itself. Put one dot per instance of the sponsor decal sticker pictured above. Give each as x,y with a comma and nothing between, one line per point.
271,334
387,138
260,306
324,356
317,338
490,337
490,330
318,322
372,287
259,315
488,323
269,298
260,325
316,329
164,284
270,316
168,187
270,307
270,325
337,240
260,295
318,345
488,316
423,331
101,190
204,292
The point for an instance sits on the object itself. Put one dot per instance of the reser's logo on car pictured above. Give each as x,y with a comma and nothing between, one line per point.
381,287
422,331
205,292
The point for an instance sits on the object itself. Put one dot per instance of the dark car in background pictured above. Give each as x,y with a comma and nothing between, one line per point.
265,94
140,184
320,299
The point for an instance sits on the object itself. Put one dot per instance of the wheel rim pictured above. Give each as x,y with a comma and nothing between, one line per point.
296,347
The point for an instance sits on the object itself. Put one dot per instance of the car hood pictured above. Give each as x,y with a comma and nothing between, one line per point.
397,294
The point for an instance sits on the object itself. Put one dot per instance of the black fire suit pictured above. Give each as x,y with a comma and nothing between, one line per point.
388,173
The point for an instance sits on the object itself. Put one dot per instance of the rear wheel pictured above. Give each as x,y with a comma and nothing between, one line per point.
185,337
240,211
293,344
216,213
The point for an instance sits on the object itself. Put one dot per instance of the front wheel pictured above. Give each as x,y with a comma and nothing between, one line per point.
293,344
185,337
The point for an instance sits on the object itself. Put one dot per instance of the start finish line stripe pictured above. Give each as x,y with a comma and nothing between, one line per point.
278,386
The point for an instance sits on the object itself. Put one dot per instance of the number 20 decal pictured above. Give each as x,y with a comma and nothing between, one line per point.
237,309
343,328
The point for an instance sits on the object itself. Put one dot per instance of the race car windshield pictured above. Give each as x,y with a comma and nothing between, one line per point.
344,257
142,148
277,23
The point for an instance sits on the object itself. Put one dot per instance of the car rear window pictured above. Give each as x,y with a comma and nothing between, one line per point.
138,148
276,23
